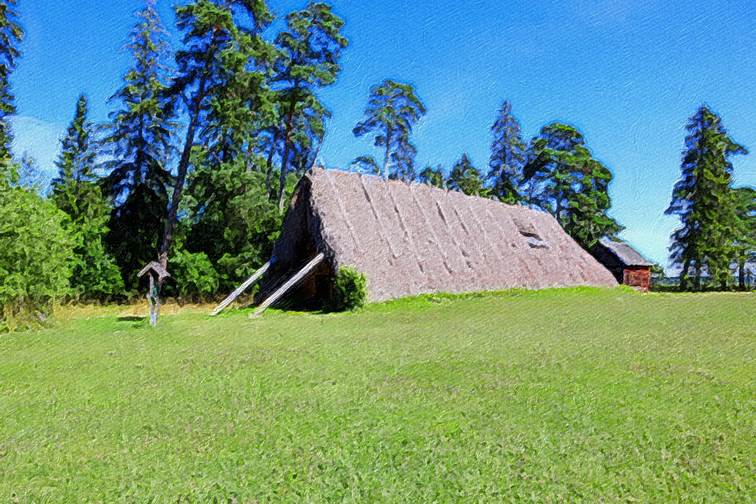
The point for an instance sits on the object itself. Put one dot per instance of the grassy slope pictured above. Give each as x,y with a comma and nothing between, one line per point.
571,394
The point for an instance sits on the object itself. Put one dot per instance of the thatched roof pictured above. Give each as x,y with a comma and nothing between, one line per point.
624,253
411,239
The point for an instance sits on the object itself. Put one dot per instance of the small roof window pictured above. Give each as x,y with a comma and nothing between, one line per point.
528,231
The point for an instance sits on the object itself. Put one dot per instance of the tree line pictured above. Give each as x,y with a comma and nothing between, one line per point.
206,141
202,148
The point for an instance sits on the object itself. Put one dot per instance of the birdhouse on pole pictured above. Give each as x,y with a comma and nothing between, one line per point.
157,274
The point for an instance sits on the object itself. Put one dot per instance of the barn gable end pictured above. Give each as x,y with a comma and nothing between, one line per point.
411,239
624,262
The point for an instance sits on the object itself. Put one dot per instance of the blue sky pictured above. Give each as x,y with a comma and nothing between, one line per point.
628,73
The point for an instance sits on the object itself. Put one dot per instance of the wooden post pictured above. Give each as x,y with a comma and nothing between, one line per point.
238,292
288,285
154,302
151,302
157,275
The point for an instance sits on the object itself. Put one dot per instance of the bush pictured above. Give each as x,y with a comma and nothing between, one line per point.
35,257
96,276
349,290
193,274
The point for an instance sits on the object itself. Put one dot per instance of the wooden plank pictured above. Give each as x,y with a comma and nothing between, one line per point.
238,292
288,285
157,268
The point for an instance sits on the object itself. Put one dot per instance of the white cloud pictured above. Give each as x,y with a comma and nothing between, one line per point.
38,138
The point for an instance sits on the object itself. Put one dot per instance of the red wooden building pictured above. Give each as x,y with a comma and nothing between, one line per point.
625,263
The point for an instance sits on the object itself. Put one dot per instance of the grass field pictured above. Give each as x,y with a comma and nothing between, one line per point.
578,395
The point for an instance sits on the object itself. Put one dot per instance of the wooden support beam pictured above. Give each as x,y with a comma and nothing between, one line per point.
238,292
288,285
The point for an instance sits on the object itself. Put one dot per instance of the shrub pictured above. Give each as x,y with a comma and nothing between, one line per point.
96,276
35,257
193,274
349,290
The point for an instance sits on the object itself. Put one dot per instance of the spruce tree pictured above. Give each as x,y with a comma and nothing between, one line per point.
76,191
139,144
30,176
562,177
11,35
74,186
310,51
464,177
508,155
745,240
703,200
392,111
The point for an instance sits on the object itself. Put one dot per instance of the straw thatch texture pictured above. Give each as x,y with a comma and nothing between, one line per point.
411,239
624,253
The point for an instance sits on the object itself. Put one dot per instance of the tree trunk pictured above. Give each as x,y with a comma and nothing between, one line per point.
387,155
741,274
282,176
697,278
269,167
170,223
684,276
285,159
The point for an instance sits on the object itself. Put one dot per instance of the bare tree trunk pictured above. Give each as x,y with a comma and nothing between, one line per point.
387,155
178,191
285,159
314,162
741,274
282,177
269,166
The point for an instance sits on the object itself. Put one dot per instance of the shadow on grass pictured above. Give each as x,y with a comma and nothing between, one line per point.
131,318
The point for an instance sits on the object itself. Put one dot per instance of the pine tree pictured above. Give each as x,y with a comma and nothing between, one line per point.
392,111
433,177
310,49
562,177
223,43
11,35
366,164
464,177
745,241
242,107
403,161
76,191
703,200
508,155
139,145
307,140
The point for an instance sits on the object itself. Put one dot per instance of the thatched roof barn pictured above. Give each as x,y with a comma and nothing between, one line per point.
411,239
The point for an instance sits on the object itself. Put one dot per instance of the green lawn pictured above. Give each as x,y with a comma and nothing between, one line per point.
578,395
